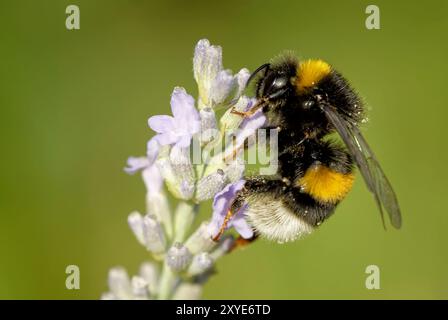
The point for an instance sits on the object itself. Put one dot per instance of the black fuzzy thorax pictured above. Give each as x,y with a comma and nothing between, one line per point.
341,95
290,114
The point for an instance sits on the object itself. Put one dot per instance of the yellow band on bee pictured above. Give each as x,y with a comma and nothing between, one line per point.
325,184
310,73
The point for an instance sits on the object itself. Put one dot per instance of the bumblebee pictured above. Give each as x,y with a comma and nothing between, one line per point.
306,101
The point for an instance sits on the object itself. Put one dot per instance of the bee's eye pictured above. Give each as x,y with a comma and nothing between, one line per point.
275,87
279,83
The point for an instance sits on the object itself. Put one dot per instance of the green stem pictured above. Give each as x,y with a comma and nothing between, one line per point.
183,220
167,280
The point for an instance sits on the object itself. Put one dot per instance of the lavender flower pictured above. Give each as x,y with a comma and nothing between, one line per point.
156,200
200,264
140,287
231,121
216,85
178,129
209,127
247,129
209,185
178,257
136,164
152,150
186,257
221,205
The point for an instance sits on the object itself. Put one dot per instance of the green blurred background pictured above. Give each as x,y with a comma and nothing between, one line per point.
74,106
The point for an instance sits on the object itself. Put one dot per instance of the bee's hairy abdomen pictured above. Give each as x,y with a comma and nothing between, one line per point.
280,212
300,197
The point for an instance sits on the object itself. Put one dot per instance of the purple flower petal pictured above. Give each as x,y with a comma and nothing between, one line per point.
221,204
186,189
161,123
250,126
166,138
184,142
193,119
222,200
152,150
180,128
241,226
186,117
195,126
135,164
250,103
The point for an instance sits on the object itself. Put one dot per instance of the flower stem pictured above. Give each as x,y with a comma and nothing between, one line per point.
183,220
167,280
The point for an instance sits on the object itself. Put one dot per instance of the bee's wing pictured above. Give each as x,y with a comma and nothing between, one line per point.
369,167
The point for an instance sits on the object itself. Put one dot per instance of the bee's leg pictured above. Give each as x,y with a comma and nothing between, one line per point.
223,227
236,205
246,114
234,153
240,242
243,114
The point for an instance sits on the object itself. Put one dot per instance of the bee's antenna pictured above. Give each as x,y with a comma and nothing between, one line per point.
251,77
260,68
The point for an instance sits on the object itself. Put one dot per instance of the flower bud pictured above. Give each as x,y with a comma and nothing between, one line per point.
209,127
153,234
200,263
188,291
150,273
135,221
224,247
230,121
223,89
139,287
119,284
235,170
210,185
178,257
201,239
183,171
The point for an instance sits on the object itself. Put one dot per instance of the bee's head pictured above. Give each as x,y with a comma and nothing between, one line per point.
285,81
273,80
